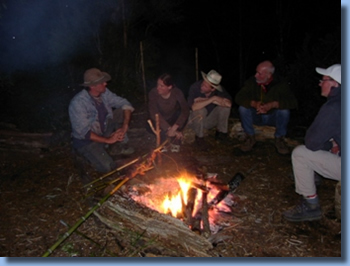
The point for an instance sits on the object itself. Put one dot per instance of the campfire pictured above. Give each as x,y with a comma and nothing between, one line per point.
198,202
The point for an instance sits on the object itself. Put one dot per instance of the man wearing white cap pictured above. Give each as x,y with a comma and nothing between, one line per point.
99,118
210,106
322,150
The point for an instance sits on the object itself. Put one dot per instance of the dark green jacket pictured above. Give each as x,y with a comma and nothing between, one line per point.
277,90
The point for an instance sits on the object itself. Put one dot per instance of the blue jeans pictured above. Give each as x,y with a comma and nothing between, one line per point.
279,118
96,152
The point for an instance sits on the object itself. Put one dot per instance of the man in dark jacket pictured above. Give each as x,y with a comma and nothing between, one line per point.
265,99
322,150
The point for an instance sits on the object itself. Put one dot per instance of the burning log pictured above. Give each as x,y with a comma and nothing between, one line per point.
205,216
191,197
226,189
200,221
201,216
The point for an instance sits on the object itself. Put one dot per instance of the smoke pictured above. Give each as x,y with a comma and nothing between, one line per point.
39,33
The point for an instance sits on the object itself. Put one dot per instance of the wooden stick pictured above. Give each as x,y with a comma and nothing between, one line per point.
196,56
205,216
191,198
157,130
112,172
140,169
143,73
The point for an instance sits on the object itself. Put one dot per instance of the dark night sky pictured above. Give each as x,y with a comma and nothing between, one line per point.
215,28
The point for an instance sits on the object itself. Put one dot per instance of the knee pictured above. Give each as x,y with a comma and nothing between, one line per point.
198,115
243,110
298,152
224,110
106,167
283,113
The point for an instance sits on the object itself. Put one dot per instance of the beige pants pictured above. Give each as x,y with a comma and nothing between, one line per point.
306,162
218,118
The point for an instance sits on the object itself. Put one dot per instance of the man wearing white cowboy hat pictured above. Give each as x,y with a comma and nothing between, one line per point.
94,123
322,150
211,107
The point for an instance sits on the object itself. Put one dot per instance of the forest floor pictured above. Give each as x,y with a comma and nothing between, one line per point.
42,196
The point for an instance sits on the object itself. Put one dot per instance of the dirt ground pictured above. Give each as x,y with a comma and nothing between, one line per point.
42,196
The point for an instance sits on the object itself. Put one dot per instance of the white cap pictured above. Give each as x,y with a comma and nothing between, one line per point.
333,71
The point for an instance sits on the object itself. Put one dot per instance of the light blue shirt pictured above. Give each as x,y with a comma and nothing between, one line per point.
83,113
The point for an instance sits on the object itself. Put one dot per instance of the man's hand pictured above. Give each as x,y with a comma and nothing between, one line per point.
335,147
221,101
172,130
178,135
263,108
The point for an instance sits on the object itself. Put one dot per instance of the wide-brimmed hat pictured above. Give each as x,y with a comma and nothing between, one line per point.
333,71
94,76
213,78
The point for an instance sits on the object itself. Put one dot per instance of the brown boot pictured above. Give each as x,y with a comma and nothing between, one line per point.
248,143
281,146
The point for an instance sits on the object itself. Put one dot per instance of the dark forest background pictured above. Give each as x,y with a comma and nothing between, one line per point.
47,45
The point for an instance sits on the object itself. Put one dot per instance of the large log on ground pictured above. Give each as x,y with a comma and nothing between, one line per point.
16,141
175,238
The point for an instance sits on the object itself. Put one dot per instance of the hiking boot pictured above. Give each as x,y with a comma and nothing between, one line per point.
281,146
248,143
220,136
201,144
304,211
127,150
121,149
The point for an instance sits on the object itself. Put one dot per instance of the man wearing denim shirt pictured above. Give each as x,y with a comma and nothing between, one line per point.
99,118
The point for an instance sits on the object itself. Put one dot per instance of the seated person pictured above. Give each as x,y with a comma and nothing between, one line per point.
211,107
322,150
169,103
265,99
95,124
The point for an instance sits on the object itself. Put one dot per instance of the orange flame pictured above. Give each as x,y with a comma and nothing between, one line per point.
174,204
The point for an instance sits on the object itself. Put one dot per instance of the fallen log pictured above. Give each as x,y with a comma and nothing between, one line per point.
15,141
172,234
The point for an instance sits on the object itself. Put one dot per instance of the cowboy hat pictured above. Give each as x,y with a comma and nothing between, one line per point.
94,76
213,78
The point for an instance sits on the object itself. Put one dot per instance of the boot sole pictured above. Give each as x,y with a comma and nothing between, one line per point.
303,219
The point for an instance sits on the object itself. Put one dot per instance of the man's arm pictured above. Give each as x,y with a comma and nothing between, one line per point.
200,103
117,135
127,117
